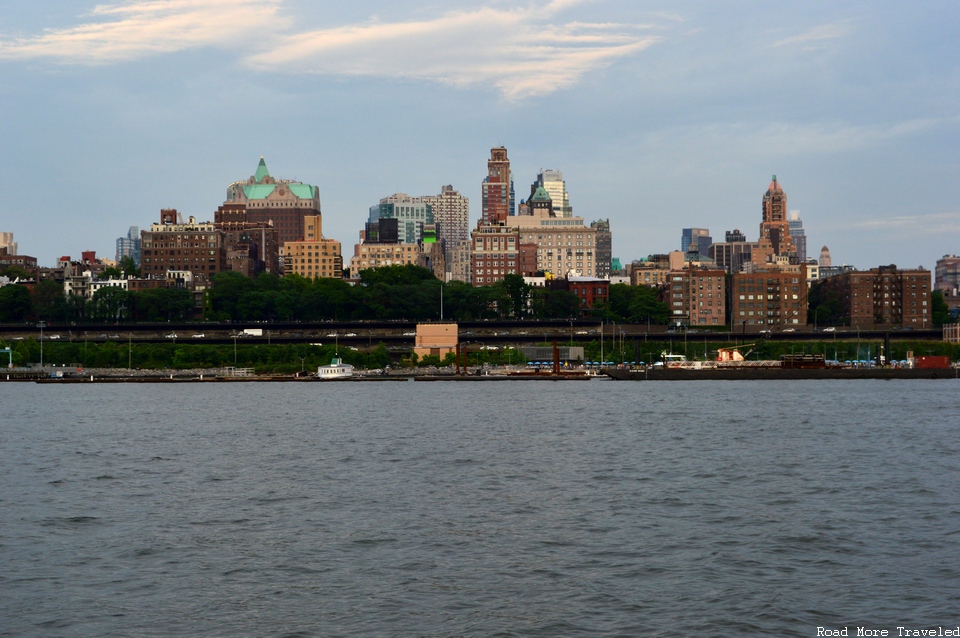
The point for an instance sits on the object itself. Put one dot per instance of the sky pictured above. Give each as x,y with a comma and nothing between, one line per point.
661,115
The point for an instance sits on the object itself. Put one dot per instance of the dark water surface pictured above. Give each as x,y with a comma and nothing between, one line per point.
479,509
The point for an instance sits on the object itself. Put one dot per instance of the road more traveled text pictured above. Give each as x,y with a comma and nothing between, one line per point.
899,631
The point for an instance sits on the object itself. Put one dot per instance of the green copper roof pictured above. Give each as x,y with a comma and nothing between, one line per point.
261,171
303,191
258,191
541,195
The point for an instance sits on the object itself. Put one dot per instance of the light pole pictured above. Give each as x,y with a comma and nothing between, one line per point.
235,349
41,325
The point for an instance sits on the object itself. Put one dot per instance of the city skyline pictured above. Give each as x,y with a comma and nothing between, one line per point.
671,116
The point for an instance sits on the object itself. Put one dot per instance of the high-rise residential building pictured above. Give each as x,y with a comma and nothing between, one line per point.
460,262
695,240
172,245
604,248
6,241
552,182
129,246
411,213
313,256
883,297
775,240
947,274
495,253
283,202
769,298
696,297
498,192
451,211
798,235
564,246
825,261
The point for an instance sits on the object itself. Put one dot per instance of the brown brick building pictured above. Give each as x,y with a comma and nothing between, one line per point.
769,298
284,203
696,297
194,246
496,252
883,297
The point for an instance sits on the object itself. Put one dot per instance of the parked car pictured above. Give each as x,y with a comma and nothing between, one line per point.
351,334
199,335
830,329
789,330
172,335
409,334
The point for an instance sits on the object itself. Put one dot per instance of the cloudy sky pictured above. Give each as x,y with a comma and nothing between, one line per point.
661,115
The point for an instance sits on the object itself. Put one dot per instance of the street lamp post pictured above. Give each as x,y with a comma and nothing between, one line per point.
41,325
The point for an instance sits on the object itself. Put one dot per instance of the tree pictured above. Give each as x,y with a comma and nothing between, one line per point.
517,293
940,312
110,272
15,304
15,272
110,303
129,266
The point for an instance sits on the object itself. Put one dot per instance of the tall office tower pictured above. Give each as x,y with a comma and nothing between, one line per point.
497,188
451,211
6,241
799,236
552,182
284,202
411,214
129,246
698,239
734,252
824,261
775,240
604,248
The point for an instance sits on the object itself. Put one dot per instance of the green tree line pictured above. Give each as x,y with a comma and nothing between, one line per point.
406,293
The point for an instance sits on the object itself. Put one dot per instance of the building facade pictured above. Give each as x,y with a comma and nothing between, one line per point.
6,242
495,253
552,182
193,246
411,213
775,240
696,297
284,203
883,297
451,213
696,240
497,188
604,248
129,246
768,298
314,256
798,234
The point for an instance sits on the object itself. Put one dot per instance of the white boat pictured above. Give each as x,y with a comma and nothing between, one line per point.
336,370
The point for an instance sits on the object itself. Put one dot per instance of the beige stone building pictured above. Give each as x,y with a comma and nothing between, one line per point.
313,256
564,245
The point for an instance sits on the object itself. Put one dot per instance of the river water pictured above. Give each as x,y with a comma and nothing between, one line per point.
521,508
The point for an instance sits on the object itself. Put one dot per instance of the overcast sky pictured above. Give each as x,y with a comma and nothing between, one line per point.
661,115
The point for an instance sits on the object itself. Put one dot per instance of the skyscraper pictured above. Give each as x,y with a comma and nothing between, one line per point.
775,240
284,202
497,188
798,235
825,261
412,214
552,182
129,246
451,211
697,239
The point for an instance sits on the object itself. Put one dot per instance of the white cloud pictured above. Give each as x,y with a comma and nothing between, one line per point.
119,32
816,35
519,51
522,52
